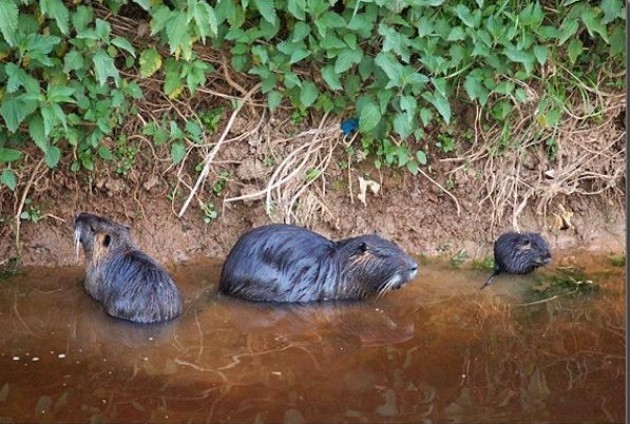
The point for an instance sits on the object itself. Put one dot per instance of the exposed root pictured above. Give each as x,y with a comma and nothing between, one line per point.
288,193
541,163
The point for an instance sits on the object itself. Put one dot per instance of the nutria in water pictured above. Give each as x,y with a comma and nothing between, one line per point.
517,253
285,263
126,281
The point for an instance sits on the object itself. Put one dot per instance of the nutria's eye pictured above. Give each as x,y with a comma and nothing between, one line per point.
107,240
363,247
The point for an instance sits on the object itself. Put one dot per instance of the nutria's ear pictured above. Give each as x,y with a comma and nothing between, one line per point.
107,240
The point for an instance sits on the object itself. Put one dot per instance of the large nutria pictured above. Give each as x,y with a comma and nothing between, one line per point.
285,263
126,281
517,253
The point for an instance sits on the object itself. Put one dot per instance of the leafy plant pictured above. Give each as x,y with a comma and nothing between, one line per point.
32,214
221,182
68,81
209,213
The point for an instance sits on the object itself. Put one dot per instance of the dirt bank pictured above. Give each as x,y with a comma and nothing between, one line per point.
411,210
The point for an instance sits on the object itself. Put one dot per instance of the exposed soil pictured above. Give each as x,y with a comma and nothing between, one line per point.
412,211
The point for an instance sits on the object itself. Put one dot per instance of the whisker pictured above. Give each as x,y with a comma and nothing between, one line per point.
77,238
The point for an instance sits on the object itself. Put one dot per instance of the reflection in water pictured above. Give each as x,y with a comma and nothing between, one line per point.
437,351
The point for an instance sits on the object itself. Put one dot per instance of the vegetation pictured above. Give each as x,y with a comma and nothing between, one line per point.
79,82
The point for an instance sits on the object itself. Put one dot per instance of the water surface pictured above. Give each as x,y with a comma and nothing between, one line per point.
439,350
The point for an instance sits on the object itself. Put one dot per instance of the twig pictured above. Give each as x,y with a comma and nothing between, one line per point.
547,299
21,205
208,159
443,189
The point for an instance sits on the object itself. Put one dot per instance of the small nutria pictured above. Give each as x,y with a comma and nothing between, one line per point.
285,263
517,253
126,281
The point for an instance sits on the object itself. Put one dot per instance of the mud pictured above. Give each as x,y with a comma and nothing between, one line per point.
439,350
408,210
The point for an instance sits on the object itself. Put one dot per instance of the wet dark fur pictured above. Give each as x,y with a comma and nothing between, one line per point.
516,253
284,263
126,281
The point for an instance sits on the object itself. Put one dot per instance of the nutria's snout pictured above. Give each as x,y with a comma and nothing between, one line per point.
544,259
412,270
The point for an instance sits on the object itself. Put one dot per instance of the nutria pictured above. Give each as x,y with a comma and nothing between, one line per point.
285,263
517,253
126,281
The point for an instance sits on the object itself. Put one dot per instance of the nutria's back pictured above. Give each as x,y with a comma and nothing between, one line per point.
285,263
126,281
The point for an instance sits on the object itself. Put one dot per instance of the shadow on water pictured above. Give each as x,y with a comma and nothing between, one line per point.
438,350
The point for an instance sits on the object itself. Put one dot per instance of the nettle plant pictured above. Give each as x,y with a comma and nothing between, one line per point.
396,65
60,85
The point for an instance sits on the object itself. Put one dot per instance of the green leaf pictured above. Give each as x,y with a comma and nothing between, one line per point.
124,44
475,89
309,94
160,17
274,98
81,18
104,153
13,111
331,77
409,104
403,124
612,10
463,13
37,133
574,49
412,166
297,8
392,68
58,11
568,28
206,19
16,77
60,94
300,30
541,53
177,33
9,20
298,55
618,40
426,116
104,67
52,156
370,117
178,151
9,155
267,9
456,34
9,179
346,59
440,103
421,157
150,61
593,22
73,61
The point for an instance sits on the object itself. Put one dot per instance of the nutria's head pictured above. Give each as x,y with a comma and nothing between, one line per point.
521,253
373,265
99,236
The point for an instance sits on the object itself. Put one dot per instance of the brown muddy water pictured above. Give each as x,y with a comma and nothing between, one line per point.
437,351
